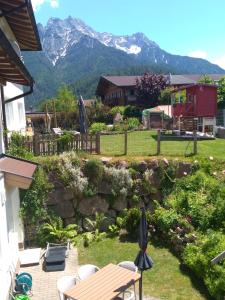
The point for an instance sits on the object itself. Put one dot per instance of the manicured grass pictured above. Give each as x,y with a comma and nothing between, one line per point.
143,143
165,280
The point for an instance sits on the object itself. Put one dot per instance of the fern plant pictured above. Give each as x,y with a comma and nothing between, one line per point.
55,232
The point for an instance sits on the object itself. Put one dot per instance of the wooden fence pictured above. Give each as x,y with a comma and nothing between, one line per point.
156,142
50,144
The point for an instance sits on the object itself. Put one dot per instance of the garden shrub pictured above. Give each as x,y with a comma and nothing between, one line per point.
131,111
63,141
132,123
120,180
72,176
166,219
97,128
202,198
17,147
192,219
69,157
131,220
93,170
117,109
198,256
33,208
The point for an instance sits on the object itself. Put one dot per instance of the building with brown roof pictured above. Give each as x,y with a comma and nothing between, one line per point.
120,90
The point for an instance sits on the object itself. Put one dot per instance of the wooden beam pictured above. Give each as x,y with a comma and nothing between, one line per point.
20,27
24,22
8,71
2,81
14,3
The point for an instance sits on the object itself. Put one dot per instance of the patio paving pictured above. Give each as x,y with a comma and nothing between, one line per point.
44,283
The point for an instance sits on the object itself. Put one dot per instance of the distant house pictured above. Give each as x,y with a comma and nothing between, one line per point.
120,90
199,108
18,32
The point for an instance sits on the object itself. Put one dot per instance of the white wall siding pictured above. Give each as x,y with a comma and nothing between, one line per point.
5,259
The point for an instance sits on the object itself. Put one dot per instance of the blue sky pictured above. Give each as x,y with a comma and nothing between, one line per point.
191,27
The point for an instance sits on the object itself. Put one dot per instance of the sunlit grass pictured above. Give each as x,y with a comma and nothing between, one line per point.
144,143
165,280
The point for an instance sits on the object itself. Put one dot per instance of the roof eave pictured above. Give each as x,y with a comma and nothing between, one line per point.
15,61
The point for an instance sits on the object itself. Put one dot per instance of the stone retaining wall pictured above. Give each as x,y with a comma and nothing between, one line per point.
74,209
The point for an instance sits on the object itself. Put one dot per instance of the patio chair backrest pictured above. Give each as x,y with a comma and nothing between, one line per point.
63,284
128,265
86,270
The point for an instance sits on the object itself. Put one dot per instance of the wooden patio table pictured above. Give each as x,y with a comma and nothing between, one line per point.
105,284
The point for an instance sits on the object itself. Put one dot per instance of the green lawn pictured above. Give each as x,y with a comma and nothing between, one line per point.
143,143
165,280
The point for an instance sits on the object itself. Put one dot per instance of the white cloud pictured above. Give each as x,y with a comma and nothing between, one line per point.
54,3
37,3
220,61
198,54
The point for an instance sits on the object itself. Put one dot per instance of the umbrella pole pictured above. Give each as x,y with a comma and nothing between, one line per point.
140,287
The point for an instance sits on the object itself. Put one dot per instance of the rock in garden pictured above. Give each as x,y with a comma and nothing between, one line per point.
153,164
120,204
65,209
105,160
123,164
184,169
68,194
90,206
55,196
142,166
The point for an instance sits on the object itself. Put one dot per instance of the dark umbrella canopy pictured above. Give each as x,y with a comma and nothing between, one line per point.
143,261
82,116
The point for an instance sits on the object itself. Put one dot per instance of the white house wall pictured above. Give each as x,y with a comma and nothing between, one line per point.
15,111
5,258
11,230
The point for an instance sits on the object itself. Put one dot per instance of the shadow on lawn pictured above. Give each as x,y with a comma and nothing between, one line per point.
196,282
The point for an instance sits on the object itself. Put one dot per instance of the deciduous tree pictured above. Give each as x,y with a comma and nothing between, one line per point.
148,89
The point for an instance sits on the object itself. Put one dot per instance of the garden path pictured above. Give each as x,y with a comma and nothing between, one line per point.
44,283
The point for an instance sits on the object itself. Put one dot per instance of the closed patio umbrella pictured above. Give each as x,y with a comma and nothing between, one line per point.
143,261
82,116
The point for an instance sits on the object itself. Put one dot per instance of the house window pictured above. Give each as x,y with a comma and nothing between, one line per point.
132,92
9,114
190,98
21,111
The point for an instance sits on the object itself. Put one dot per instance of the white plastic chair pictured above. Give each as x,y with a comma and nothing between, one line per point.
86,270
63,284
128,265
128,295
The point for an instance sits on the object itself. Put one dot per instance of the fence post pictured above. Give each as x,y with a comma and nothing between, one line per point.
158,141
36,145
125,142
195,142
98,142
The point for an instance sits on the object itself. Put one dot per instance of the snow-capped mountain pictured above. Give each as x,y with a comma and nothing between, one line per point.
58,36
75,54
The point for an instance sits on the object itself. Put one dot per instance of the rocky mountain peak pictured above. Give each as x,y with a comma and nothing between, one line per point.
58,36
